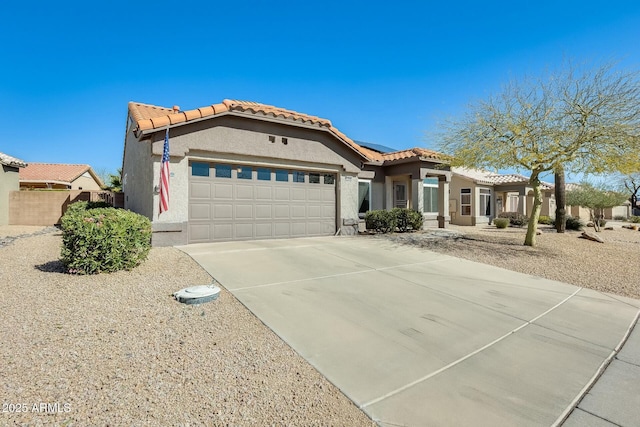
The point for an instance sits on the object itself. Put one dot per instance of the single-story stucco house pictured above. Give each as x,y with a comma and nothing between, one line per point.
9,181
477,196
243,170
59,176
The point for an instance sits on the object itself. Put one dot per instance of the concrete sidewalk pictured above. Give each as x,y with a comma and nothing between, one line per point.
418,338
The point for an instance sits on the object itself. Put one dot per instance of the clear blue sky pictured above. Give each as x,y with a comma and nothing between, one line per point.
382,72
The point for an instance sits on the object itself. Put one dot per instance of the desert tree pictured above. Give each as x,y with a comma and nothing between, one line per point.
584,120
595,200
630,183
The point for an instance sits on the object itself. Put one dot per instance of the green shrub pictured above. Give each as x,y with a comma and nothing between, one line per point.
84,205
635,219
515,219
619,218
407,219
574,223
501,222
380,221
546,220
103,240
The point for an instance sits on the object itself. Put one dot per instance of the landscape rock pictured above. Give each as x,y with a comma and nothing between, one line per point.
591,236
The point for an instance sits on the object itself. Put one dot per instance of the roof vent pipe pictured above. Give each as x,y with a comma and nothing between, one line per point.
176,109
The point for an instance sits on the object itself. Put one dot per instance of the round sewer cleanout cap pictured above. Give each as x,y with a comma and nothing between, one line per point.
197,294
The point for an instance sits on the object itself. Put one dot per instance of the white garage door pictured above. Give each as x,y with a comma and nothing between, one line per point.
232,202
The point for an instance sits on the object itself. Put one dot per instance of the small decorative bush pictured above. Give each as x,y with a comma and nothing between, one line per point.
619,218
515,219
83,206
380,221
546,220
574,223
501,222
635,219
103,240
407,219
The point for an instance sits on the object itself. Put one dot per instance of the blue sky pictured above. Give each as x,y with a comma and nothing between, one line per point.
383,72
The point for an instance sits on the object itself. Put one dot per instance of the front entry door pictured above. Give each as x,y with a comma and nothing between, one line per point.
400,194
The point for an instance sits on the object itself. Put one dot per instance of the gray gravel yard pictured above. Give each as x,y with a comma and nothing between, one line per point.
116,349
613,266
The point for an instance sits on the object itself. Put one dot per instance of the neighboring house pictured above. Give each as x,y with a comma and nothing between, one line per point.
59,177
242,170
477,196
9,182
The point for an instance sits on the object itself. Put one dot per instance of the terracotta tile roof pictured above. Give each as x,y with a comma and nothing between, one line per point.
494,178
7,160
413,152
151,117
49,172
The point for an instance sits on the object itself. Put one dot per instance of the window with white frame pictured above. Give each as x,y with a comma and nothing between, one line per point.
465,201
430,190
364,196
485,201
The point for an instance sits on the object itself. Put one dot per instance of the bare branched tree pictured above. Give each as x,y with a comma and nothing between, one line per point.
580,119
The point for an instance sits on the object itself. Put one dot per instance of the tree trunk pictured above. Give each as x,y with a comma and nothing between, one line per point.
560,193
530,239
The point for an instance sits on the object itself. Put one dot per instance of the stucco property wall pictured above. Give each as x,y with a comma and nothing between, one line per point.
9,181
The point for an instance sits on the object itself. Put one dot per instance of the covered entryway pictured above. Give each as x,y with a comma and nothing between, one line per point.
244,202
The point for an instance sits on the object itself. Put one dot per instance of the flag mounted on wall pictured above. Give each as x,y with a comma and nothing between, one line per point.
164,175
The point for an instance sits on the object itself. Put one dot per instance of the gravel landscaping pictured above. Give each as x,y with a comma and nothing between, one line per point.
117,349
611,267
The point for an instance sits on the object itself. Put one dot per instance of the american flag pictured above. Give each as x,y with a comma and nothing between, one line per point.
164,175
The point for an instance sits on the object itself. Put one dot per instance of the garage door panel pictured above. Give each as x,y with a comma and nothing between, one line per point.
200,211
231,208
314,211
244,192
263,193
200,190
281,212
298,229
298,194
223,211
243,231
223,191
281,229
263,212
222,231
264,230
314,194
281,194
298,212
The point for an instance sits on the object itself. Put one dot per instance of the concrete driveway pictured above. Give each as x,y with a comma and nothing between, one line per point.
418,338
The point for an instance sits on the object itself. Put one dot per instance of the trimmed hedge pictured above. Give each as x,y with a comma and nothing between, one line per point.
515,219
501,222
380,221
103,240
403,220
407,219
546,220
574,223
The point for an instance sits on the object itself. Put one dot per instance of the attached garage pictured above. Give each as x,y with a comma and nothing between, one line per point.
241,202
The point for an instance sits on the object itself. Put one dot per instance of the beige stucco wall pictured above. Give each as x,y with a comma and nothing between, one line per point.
85,182
9,181
457,183
137,176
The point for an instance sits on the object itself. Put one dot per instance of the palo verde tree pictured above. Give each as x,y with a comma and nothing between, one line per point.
595,200
585,120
